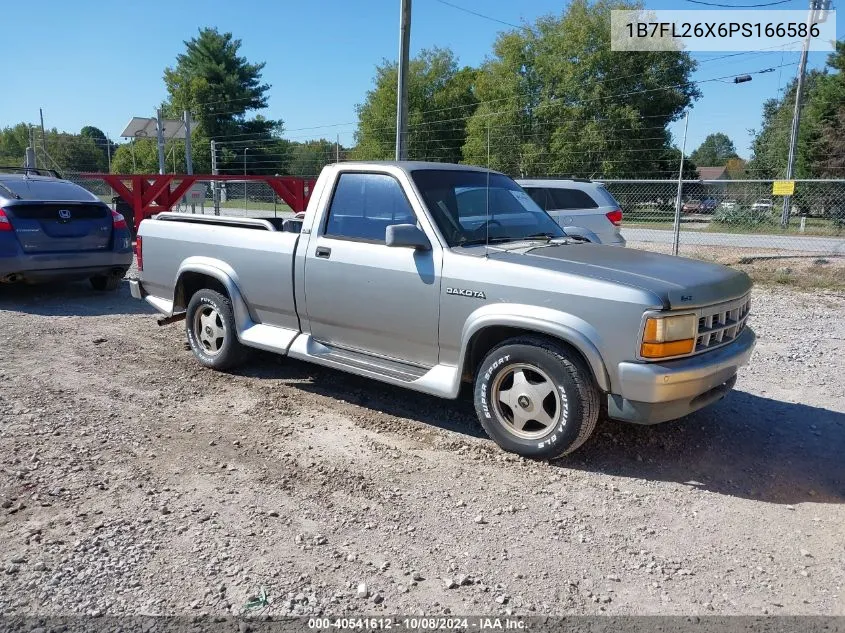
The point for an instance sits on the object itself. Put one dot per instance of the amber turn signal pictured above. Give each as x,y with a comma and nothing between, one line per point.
662,350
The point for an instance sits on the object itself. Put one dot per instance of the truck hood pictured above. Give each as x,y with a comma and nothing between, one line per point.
679,282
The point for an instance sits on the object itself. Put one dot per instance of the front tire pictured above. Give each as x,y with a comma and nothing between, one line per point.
210,326
536,398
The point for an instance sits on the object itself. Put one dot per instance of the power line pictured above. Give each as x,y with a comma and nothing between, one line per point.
739,6
480,15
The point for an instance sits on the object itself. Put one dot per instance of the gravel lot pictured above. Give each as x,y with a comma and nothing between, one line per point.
133,481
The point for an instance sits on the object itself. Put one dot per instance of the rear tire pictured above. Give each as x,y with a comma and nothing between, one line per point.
103,283
210,326
536,398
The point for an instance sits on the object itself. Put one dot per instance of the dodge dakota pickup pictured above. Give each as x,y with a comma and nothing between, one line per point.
427,276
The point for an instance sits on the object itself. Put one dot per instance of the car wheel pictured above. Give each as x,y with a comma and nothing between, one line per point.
103,283
535,397
210,326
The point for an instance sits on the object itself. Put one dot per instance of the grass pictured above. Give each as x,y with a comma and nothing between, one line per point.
770,267
252,205
812,226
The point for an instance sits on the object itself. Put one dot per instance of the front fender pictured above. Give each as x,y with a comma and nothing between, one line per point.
564,326
226,275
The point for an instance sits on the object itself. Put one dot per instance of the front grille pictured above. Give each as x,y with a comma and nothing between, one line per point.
720,324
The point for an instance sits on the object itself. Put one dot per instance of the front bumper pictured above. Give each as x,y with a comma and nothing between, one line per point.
135,289
657,392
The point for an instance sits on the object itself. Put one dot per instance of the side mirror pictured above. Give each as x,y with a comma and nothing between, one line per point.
407,235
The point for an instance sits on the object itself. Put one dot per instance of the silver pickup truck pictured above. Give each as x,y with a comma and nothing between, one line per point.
427,276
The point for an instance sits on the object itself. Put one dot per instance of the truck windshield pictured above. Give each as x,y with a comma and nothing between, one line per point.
473,207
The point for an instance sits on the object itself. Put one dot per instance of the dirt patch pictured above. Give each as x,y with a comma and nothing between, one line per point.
134,481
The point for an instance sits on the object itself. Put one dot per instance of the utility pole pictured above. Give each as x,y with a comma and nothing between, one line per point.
108,152
160,141
246,204
215,191
189,161
817,13
402,91
43,135
32,161
676,238
337,148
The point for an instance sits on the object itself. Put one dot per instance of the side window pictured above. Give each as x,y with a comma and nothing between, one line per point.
539,196
364,205
570,199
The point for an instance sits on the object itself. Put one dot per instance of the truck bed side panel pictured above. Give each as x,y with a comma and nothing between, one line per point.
263,261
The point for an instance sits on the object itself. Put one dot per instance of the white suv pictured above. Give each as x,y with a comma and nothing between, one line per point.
583,207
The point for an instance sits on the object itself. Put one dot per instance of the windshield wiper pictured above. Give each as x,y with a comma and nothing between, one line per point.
491,240
509,238
548,236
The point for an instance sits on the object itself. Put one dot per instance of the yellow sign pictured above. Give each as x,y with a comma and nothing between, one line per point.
783,187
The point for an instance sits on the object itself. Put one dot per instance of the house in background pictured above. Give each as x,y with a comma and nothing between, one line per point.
714,173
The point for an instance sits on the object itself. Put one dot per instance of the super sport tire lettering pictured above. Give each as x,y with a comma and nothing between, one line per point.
579,396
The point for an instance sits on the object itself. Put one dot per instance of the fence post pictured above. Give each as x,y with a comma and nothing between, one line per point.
215,191
677,236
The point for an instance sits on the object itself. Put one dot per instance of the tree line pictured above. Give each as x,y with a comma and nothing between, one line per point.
551,99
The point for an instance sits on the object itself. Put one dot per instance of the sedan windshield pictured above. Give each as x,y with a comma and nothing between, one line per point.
473,207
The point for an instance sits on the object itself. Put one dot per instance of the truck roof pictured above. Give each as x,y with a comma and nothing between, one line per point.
415,165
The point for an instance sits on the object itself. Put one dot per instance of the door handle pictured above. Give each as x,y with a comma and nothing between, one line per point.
323,251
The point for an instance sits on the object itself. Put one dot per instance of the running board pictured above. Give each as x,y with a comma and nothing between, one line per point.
440,380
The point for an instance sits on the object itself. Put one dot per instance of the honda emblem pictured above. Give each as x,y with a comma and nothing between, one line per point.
64,214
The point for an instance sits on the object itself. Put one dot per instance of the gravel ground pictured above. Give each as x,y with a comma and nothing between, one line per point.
135,482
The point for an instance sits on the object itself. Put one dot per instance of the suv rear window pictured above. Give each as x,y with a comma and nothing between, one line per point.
555,199
38,189
570,199
609,200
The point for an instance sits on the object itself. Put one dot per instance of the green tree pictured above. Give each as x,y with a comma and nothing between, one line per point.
74,152
820,133
220,88
555,100
65,151
827,155
140,156
715,151
100,140
770,146
308,158
13,143
440,98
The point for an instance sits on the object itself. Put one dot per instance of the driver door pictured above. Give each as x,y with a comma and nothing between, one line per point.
363,295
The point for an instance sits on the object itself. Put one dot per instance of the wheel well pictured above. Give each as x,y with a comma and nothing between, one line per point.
488,338
190,283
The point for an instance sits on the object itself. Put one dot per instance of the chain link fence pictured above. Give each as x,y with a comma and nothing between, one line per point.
736,214
739,216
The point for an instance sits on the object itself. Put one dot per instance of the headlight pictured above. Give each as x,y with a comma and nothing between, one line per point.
669,336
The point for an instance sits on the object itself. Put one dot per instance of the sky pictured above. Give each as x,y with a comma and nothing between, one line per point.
88,62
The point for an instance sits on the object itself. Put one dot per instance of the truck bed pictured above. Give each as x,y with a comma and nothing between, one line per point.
256,252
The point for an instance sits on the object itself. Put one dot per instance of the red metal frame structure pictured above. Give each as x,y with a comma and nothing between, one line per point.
149,194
